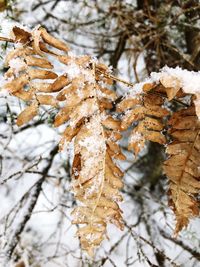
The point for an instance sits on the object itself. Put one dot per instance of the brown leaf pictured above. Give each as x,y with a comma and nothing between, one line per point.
172,85
38,62
128,103
41,74
27,114
59,83
17,84
111,123
182,167
53,41
148,86
47,100
21,35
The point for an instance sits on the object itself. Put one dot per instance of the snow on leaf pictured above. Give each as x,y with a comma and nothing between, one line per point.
17,64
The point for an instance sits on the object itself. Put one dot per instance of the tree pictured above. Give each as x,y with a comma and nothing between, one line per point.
150,185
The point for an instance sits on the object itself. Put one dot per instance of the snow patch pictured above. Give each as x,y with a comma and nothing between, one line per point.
17,64
135,137
189,80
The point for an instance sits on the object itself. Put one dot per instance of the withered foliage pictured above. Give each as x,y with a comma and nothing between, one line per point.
84,102
147,111
179,131
182,166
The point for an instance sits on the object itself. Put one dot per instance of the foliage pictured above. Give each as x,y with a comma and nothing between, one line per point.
81,92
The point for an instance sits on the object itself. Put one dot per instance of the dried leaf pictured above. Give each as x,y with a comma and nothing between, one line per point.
47,100
182,167
27,114
21,35
38,62
148,113
41,74
49,39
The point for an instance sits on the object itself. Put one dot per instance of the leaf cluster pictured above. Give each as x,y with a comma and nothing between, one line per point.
83,97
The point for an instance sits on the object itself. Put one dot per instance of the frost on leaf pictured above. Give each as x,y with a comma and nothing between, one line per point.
176,80
183,130
81,95
146,110
26,69
97,187
96,178
86,100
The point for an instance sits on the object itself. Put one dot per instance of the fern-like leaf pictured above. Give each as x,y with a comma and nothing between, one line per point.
25,67
182,166
146,112
96,178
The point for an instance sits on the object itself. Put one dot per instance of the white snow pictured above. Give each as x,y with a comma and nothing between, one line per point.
136,89
92,144
135,137
17,64
73,70
92,148
178,78
189,80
